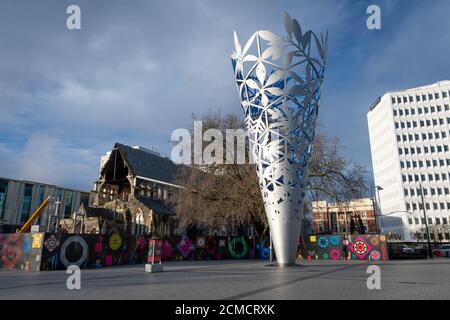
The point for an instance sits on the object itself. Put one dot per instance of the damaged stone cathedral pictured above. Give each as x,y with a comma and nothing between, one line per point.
133,194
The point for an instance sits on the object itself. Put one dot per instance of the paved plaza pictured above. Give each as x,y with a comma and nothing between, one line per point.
232,279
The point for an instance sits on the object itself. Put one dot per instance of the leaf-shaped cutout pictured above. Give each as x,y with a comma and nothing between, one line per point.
306,39
237,45
274,77
252,84
264,100
297,31
275,91
277,53
288,58
267,53
296,77
274,113
287,21
268,35
261,73
308,73
319,47
248,44
250,57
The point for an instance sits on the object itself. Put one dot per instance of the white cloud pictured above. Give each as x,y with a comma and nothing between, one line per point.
47,159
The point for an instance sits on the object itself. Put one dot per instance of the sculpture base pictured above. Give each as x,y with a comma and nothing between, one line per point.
284,265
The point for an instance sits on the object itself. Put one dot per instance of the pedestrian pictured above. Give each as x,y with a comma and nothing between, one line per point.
345,247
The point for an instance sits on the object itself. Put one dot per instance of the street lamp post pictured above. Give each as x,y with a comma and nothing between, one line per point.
430,253
374,201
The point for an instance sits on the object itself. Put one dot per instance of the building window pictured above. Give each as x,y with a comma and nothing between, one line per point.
3,192
68,204
139,224
40,199
26,204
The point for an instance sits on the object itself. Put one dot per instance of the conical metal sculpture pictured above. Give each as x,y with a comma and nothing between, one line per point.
279,82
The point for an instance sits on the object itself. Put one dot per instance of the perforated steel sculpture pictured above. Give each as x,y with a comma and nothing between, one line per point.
279,82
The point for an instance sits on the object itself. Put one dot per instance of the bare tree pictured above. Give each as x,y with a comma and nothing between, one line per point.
222,194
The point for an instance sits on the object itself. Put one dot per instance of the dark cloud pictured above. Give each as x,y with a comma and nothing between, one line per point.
137,70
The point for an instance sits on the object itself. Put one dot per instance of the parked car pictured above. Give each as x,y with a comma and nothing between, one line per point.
443,250
403,251
407,250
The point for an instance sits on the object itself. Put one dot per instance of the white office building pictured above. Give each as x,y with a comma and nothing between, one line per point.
410,140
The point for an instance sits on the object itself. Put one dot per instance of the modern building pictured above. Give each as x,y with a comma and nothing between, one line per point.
19,199
410,144
343,217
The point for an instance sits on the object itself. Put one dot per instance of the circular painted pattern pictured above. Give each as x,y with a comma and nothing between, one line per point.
382,237
238,247
200,242
375,255
12,251
334,240
335,254
325,256
265,253
115,241
51,243
360,247
374,241
185,247
77,241
323,242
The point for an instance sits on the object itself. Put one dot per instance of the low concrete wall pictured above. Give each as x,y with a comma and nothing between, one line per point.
56,251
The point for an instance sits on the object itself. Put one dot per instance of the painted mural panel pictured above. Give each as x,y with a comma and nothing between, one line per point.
56,251
340,247
92,250
21,251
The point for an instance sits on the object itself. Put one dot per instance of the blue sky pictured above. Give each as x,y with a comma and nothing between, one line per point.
138,69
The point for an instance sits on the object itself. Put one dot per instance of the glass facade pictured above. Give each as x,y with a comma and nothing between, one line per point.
40,200
3,192
68,204
26,203
84,199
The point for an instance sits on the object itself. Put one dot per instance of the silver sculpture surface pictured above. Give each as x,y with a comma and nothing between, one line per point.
279,82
